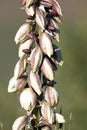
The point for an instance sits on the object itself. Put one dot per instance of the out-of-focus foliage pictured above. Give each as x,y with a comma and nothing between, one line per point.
72,83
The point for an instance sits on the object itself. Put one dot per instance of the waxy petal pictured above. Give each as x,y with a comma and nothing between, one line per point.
51,96
36,58
28,99
19,68
47,69
46,44
34,81
20,123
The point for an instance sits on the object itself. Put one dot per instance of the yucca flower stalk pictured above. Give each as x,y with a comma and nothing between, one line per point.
34,72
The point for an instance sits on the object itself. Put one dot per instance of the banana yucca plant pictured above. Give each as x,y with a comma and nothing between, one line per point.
34,72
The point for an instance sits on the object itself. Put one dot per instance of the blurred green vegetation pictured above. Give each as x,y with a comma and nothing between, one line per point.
71,78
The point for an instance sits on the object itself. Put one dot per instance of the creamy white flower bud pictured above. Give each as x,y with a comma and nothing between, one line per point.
28,99
46,44
21,33
19,68
36,58
34,82
47,112
26,45
47,69
51,96
59,118
19,123
16,85
40,19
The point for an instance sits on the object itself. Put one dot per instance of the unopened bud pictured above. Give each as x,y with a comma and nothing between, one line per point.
59,118
40,19
34,81
16,85
22,32
56,7
28,99
47,112
46,44
20,123
19,68
26,45
47,69
51,96
36,58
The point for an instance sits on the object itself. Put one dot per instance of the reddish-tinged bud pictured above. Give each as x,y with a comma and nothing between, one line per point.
47,112
46,44
28,99
20,123
30,10
22,31
36,58
16,85
19,68
56,7
23,46
34,81
47,70
51,96
59,118
40,19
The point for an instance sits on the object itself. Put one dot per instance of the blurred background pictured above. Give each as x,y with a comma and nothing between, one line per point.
71,78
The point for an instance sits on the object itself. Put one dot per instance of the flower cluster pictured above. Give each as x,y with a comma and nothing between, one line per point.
34,72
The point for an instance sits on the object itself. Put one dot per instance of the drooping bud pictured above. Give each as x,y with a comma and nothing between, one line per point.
57,56
28,99
16,85
59,118
34,82
22,31
46,44
51,96
36,58
47,112
47,70
19,68
40,19
20,123
26,45
56,7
